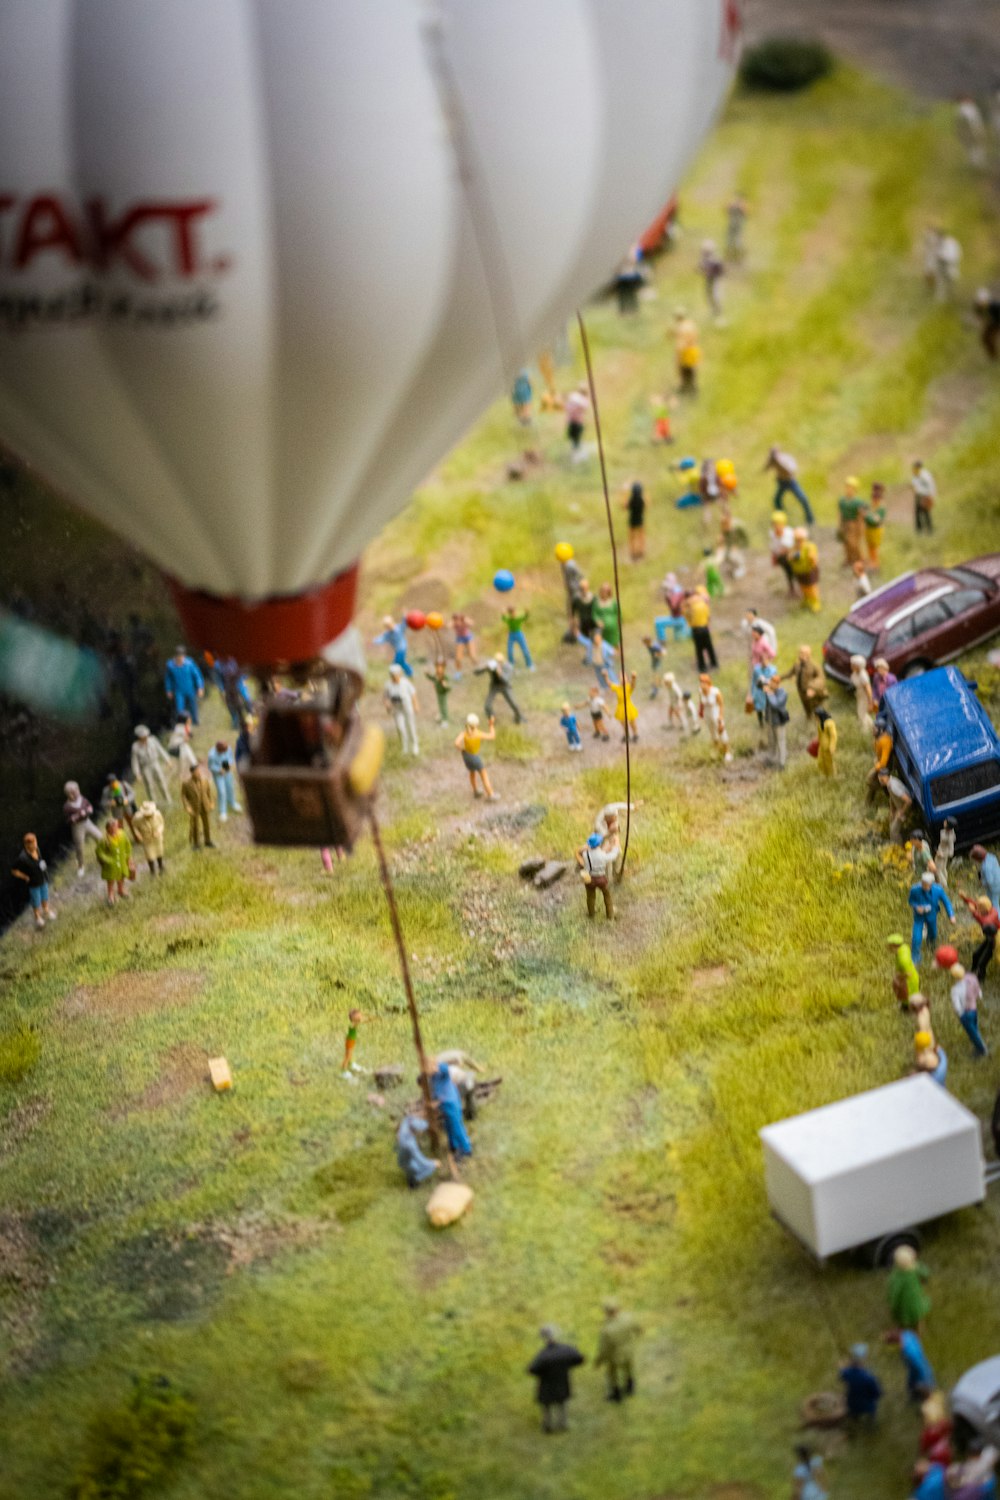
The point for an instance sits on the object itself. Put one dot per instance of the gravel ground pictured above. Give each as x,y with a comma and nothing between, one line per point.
938,47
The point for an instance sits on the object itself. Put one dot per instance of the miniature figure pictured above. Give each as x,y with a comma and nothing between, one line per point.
607,821
499,675
906,980
148,758
988,869
114,855
900,803
449,1103
598,712
673,596
572,575
756,700
881,680
78,813
515,621
463,1070
851,509
810,681
32,869
862,583
826,743
882,750
469,742
982,910
736,216
710,709
179,747
441,683
400,699
624,705
416,1167
655,649
732,537
712,269
147,825
607,615
807,1474
520,396
804,560
874,519
465,641
781,540
930,1058
675,702
935,1433
924,495
583,614
909,1304
947,265
198,797
603,656
662,431
945,850
776,717
711,574
635,504
864,703
596,863
394,635
920,1381
862,1390
966,994
616,1350
986,307
698,613
687,353
785,469
551,1367
349,1067
183,684
925,898
762,638
577,408
117,800
220,764
920,852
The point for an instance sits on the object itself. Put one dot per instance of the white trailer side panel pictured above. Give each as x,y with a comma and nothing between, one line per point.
866,1166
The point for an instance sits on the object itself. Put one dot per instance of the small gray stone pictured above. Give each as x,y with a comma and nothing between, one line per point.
390,1076
551,871
529,867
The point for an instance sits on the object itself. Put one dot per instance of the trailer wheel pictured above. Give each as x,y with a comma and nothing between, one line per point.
883,1250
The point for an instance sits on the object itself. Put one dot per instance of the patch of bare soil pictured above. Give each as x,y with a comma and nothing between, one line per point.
711,978
254,1237
446,1256
18,1124
183,1069
129,994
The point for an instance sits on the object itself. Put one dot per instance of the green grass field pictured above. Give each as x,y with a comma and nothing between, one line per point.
260,1248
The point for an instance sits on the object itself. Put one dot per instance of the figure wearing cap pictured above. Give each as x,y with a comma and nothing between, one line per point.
597,861
925,898
147,825
862,1390
148,760
183,684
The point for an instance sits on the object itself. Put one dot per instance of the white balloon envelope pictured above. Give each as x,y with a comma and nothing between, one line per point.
243,308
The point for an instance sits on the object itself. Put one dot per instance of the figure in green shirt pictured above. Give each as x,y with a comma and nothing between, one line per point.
909,1303
607,615
906,980
515,621
441,683
852,509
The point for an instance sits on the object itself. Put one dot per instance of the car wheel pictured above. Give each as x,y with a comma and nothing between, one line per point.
884,1249
916,669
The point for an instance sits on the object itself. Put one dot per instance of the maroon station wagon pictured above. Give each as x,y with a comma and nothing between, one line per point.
920,620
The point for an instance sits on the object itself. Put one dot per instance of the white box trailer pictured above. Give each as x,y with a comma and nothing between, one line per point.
874,1165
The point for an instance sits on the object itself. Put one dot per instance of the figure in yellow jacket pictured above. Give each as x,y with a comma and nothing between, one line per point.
827,742
805,568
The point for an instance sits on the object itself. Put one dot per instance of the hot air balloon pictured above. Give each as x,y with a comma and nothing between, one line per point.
208,337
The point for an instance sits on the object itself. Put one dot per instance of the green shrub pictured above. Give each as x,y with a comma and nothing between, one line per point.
785,63
131,1448
19,1052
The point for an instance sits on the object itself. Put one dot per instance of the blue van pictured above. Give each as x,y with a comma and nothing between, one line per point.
948,753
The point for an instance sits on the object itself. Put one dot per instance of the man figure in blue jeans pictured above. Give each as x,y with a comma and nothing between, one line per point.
925,899
183,684
785,469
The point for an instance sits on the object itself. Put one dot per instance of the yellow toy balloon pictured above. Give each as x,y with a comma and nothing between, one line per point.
725,466
434,620
564,551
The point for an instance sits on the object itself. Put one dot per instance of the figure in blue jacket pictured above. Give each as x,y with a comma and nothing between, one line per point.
395,636
925,899
450,1104
919,1375
220,764
414,1163
183,684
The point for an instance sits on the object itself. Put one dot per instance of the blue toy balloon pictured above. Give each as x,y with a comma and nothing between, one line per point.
503,581
687,463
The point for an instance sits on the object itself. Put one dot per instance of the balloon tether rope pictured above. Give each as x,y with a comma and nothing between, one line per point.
614,558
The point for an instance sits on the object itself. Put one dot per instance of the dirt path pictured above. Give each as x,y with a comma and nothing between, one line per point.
938,47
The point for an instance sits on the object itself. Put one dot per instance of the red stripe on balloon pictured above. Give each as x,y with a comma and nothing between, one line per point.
286,628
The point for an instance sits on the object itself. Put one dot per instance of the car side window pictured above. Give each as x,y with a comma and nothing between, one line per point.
963,599
900,632
930,617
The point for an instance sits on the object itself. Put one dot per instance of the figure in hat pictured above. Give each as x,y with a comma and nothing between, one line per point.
925,898
597,861
147,825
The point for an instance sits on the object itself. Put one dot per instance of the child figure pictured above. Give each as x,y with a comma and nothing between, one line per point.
441,683
598,712
465,641
862,583
349,1067
662,432
568,722
469,742
710,708
655,649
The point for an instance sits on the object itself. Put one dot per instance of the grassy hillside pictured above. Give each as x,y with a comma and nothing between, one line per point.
260,1248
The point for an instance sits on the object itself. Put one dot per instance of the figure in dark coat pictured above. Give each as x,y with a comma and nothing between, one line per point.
551,1367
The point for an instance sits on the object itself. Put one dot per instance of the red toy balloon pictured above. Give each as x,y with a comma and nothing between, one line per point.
813,748
416,619
945,956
